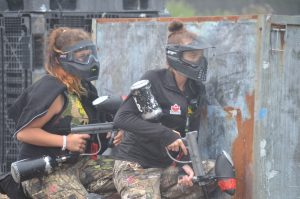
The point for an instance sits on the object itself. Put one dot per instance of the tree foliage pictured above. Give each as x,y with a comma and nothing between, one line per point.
180,9
232,7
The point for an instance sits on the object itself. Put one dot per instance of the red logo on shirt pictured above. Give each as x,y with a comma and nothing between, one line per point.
175,110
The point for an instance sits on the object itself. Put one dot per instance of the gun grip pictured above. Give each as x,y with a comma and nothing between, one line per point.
110,143
94,149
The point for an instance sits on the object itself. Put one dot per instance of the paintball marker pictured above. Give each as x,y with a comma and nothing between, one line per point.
224,168
29,168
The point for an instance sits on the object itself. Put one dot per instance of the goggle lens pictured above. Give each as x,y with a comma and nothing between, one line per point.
84,55
192,56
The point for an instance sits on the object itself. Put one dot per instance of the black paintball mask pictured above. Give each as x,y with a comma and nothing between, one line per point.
190,60
81,60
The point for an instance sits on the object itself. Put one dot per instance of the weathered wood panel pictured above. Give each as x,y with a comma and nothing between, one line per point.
276,141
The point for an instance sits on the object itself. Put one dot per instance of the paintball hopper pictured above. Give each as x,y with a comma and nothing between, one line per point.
225,173
108,104
145,101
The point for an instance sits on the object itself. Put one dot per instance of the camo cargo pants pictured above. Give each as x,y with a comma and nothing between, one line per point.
132,181
74,181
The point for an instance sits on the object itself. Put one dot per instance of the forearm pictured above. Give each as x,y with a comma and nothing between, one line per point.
128,118
39,137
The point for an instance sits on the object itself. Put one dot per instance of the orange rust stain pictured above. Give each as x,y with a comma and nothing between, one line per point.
242,150
186,19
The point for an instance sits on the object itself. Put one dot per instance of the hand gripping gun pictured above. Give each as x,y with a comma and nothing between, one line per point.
29,168
224,171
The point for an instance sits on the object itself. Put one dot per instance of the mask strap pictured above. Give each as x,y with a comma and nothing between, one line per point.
58,51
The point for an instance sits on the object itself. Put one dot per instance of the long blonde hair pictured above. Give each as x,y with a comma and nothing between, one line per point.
57,39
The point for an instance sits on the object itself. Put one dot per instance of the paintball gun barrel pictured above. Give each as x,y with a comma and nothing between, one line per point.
93,128
191,139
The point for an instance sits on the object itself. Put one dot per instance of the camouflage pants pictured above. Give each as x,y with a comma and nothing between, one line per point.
74,181
132,181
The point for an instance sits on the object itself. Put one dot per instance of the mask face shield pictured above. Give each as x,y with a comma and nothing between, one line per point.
81,60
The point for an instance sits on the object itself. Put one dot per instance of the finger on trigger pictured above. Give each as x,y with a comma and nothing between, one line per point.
85,136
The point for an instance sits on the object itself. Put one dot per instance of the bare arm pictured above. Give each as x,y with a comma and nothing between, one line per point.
35,135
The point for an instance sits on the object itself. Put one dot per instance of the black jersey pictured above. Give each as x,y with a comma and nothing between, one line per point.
35,101
145,141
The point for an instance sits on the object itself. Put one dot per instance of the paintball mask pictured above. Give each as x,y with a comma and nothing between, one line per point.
190,60
81,60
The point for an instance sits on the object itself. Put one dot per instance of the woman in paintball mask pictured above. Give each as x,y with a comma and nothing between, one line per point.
143,168
47,109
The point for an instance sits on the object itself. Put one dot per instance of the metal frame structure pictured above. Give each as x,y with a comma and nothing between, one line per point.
24,25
